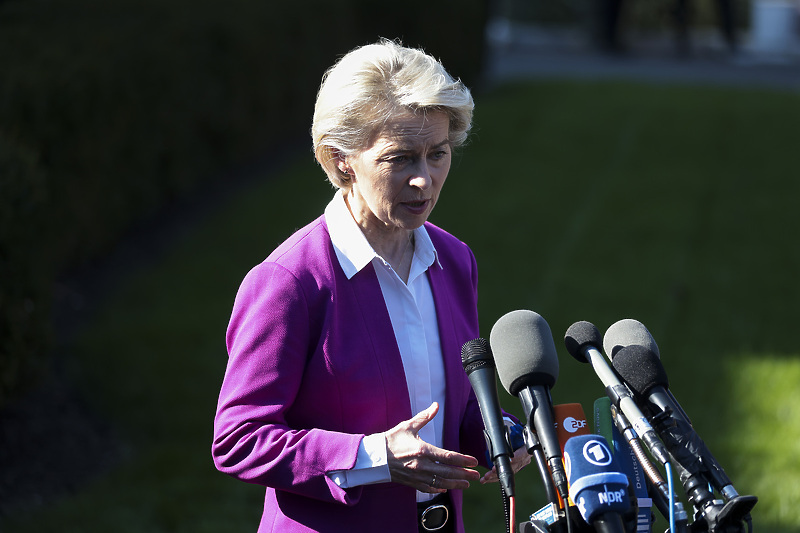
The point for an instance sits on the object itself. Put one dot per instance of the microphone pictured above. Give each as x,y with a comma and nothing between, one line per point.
527,365
596,485
476,356
651,379
647,378
626,332
582,339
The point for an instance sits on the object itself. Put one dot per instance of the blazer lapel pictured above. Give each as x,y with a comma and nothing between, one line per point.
380,335
451,353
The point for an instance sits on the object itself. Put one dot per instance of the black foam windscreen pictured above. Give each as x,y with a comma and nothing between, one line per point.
640,368
626,332
580,335
524,352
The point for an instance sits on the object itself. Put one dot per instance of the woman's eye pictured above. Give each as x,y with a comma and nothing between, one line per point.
439,154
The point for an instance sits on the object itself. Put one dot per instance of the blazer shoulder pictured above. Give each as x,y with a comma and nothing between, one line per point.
307,256
448,245
311,239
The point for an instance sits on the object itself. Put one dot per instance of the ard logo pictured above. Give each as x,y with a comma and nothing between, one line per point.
597,453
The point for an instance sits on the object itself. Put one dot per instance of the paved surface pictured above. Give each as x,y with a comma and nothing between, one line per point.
531,53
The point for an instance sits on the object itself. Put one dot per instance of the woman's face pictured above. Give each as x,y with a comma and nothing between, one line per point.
396,181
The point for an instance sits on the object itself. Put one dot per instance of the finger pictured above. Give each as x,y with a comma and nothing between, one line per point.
453,479
520,460
423,482
490,476
451,458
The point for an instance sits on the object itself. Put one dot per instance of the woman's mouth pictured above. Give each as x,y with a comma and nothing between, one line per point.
417,206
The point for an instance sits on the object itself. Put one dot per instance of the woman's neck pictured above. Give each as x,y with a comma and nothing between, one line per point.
398,253
394,245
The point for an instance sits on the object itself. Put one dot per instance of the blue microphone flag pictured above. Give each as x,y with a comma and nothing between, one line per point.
596,484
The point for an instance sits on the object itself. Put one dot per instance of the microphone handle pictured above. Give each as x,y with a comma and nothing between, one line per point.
665,402
608,523
537,405
483,384
538,410
534,448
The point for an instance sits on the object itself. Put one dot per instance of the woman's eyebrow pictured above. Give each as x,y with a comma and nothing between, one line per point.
406,145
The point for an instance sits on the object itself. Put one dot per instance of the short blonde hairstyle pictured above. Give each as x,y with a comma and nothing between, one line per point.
370,85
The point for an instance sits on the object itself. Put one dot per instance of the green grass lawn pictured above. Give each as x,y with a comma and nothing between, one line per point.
582,201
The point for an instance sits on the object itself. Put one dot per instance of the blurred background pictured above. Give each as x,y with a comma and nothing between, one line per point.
629,160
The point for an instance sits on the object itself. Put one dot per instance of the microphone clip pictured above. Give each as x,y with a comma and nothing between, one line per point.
663,420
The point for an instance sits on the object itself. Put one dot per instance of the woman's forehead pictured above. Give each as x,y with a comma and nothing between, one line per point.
415,129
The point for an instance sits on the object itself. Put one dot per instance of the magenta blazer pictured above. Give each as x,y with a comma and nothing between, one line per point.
314,366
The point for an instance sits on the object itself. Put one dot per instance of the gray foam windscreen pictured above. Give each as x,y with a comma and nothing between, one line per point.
628,332
524,352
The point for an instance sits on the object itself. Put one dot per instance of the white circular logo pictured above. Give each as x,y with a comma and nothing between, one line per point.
597,453
572,424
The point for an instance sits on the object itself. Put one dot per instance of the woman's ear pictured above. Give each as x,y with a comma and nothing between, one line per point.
341,162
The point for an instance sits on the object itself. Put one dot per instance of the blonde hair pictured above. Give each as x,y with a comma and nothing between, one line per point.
370,85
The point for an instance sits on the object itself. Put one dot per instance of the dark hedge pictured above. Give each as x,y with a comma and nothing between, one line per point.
110,111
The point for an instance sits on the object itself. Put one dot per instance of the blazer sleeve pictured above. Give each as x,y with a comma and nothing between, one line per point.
269,338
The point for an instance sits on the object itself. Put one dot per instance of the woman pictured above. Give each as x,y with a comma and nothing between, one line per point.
356,322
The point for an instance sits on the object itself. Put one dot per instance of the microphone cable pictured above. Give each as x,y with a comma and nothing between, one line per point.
509,510
566,514
512,511
671,498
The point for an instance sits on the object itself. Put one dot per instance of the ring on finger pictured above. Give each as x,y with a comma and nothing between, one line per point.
433,482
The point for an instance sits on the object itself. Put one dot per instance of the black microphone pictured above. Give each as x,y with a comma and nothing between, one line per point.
476,356
645,375
596,484
527,364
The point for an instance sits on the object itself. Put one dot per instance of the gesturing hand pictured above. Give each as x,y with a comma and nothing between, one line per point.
520,460
425,467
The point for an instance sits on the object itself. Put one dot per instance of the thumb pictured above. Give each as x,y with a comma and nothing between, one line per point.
422,418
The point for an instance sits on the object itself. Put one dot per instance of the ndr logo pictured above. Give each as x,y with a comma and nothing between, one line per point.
572,425
607,497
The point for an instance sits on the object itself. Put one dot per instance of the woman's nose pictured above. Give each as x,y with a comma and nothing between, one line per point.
421,178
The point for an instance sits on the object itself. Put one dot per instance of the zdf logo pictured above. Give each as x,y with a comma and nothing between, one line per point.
572,425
